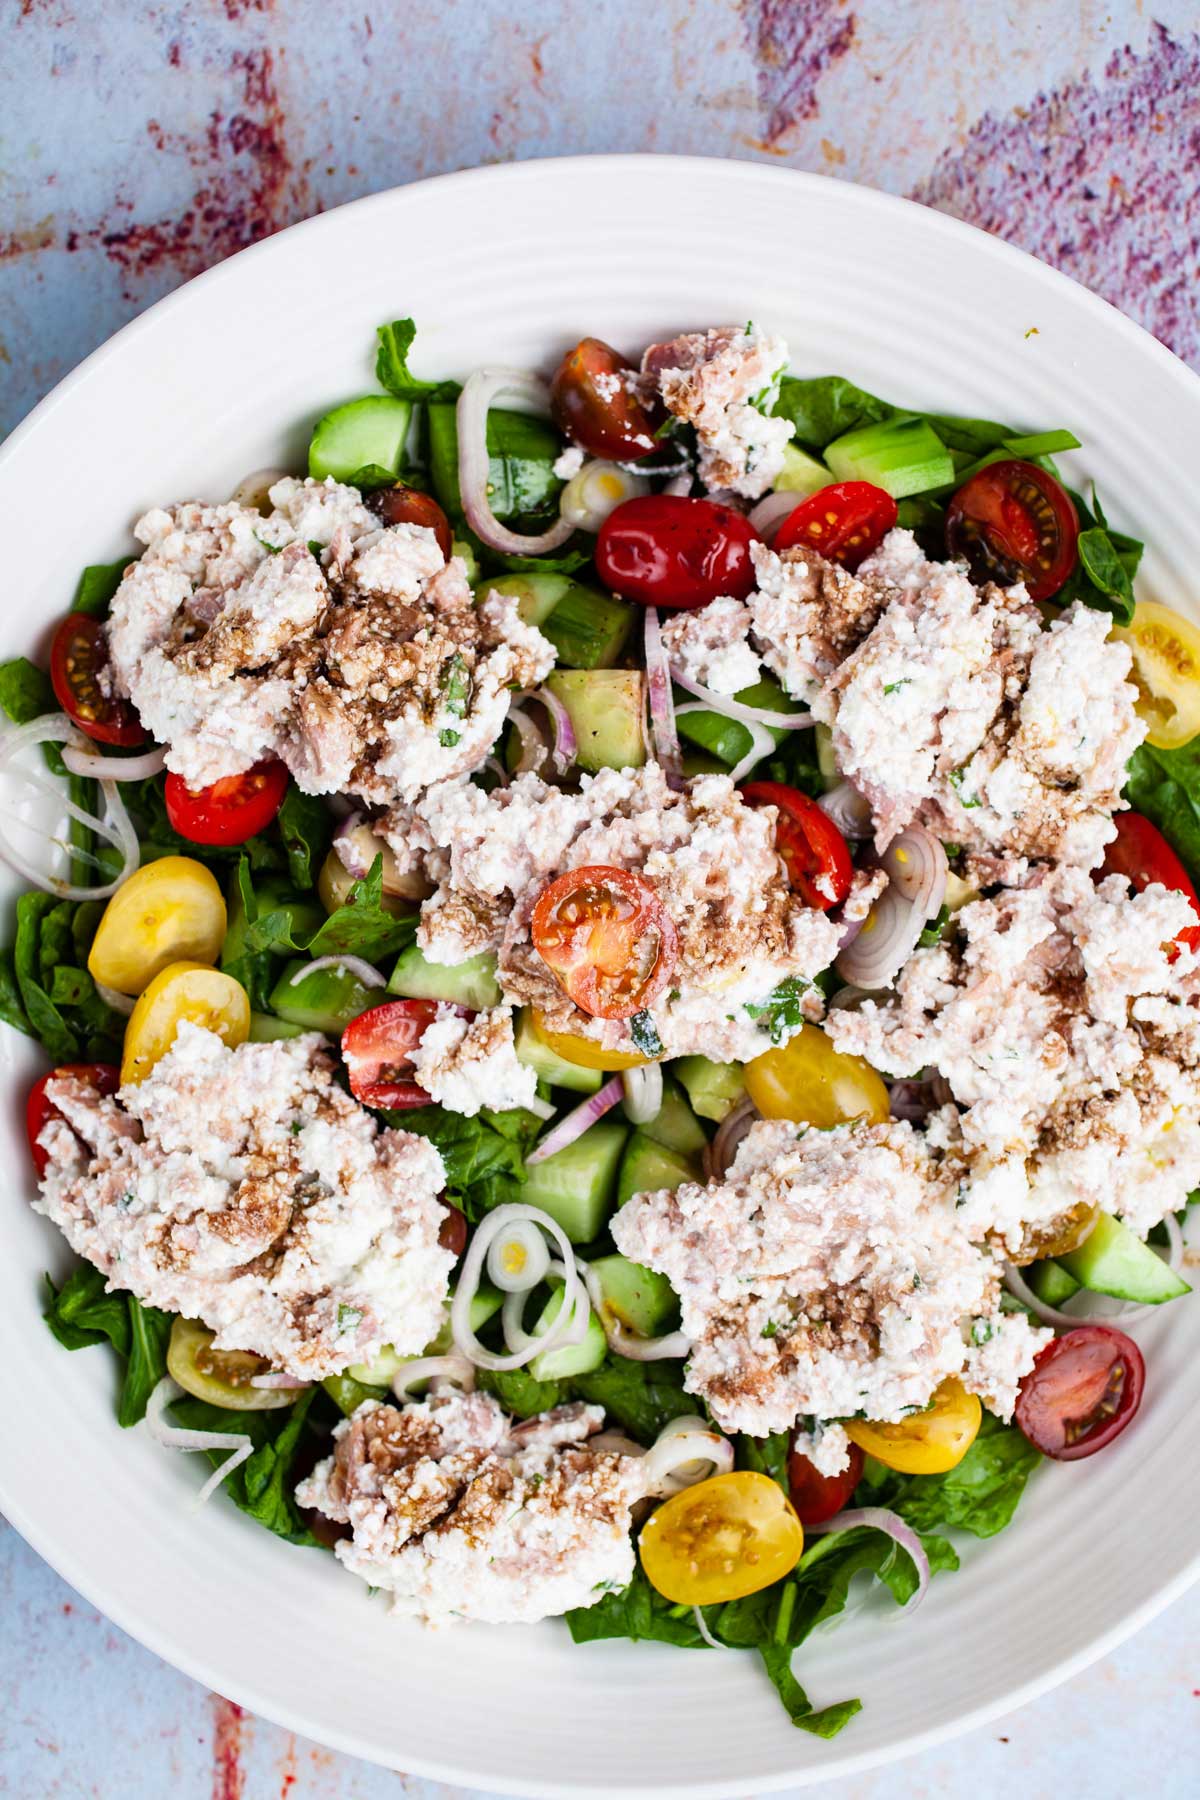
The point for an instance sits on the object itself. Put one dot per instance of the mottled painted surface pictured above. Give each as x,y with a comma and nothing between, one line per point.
138,145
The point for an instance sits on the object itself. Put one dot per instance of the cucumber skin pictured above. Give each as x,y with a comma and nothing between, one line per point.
547,1063
900,456
1051,1282
605,708
727,738
472,983
676,1127
1113,1261
375,429
568,1359
640,1299
326,1001
577,1186
588,629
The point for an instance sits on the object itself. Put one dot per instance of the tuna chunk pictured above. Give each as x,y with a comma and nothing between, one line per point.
723,381
245,1188
460,1515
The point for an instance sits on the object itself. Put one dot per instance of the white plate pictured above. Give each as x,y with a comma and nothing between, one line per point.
513,264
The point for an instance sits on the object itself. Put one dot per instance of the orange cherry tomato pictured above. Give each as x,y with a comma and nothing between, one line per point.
233,809
104,1077
402,505
607,938
844,522
813,849
78,657
591,403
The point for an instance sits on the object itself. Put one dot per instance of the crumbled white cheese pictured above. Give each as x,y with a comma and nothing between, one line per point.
465,1064
723,382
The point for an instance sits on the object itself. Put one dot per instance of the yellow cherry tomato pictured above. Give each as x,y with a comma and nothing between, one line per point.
585,1051
1166,670
807,1080
222,1377
721,1539
926,1443
170,911
184,990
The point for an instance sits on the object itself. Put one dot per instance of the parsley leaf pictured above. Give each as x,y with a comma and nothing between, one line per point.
781,1014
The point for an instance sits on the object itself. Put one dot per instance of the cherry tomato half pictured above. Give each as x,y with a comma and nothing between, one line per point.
591,403
104,1077
231,810
668,550
452,1232
378,1047
808,1081
1081,1392
818,1497
724,1538
1013,522
402,505
844,521
1166,672
813,849
925,1443
78,654
607,938
1142,854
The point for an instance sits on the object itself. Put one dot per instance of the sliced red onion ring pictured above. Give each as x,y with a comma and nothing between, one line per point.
122,1003
702,1627
253,490
176,1437
116,827
849,810
916,865
441,1372
114,768
578,1120
357,966
685,1451
733,709
535,751
880,1518
565,747
664,736
1175,1244
643,1093
626,1343
481,389
719,1155
571,1320
771,511
495,767
911,1100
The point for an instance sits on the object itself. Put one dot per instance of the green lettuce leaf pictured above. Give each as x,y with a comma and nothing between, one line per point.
82,1312
1164,785
149,1334
306,828
25,690
484,1166
980,1495
824,407
393,373
766,1456
97,585
359,927
262,1485
641,1397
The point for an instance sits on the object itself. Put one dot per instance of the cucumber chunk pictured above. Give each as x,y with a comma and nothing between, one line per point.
588,629
537,1055
605,708
714,1089
1050,1282
567,1359
536,595
676,1127
472,983
640,1299
577,1186
348,1394
801,474
826,759
272,895
522,452
373,430
901,456
265,1029
647,1166
726,738
325,1000
1111,1260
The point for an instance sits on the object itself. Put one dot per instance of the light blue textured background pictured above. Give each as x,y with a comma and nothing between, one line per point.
139,144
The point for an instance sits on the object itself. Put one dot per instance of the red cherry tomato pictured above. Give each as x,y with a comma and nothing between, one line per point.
813,849
818,1497
668,550
845,522
1013,522
607,938
452,1232
104,1077
378,1047
1142,854
1081,1392
231,810
78,655
402,505
591,403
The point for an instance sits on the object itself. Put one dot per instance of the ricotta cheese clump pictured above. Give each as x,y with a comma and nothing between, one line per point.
723,382
245,1188
460,1514
743,935
351,651
1066,1025
468,1064
827,1274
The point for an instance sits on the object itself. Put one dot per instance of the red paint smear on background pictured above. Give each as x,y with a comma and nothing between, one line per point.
1101,179
228,1775
795,42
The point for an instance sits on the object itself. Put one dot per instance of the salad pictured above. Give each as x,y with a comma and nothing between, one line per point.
619,978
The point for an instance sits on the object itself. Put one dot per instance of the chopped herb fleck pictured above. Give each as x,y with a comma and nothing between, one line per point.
781,1013
448,738
348,1317
644,1033
456,686
966,800
932,934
